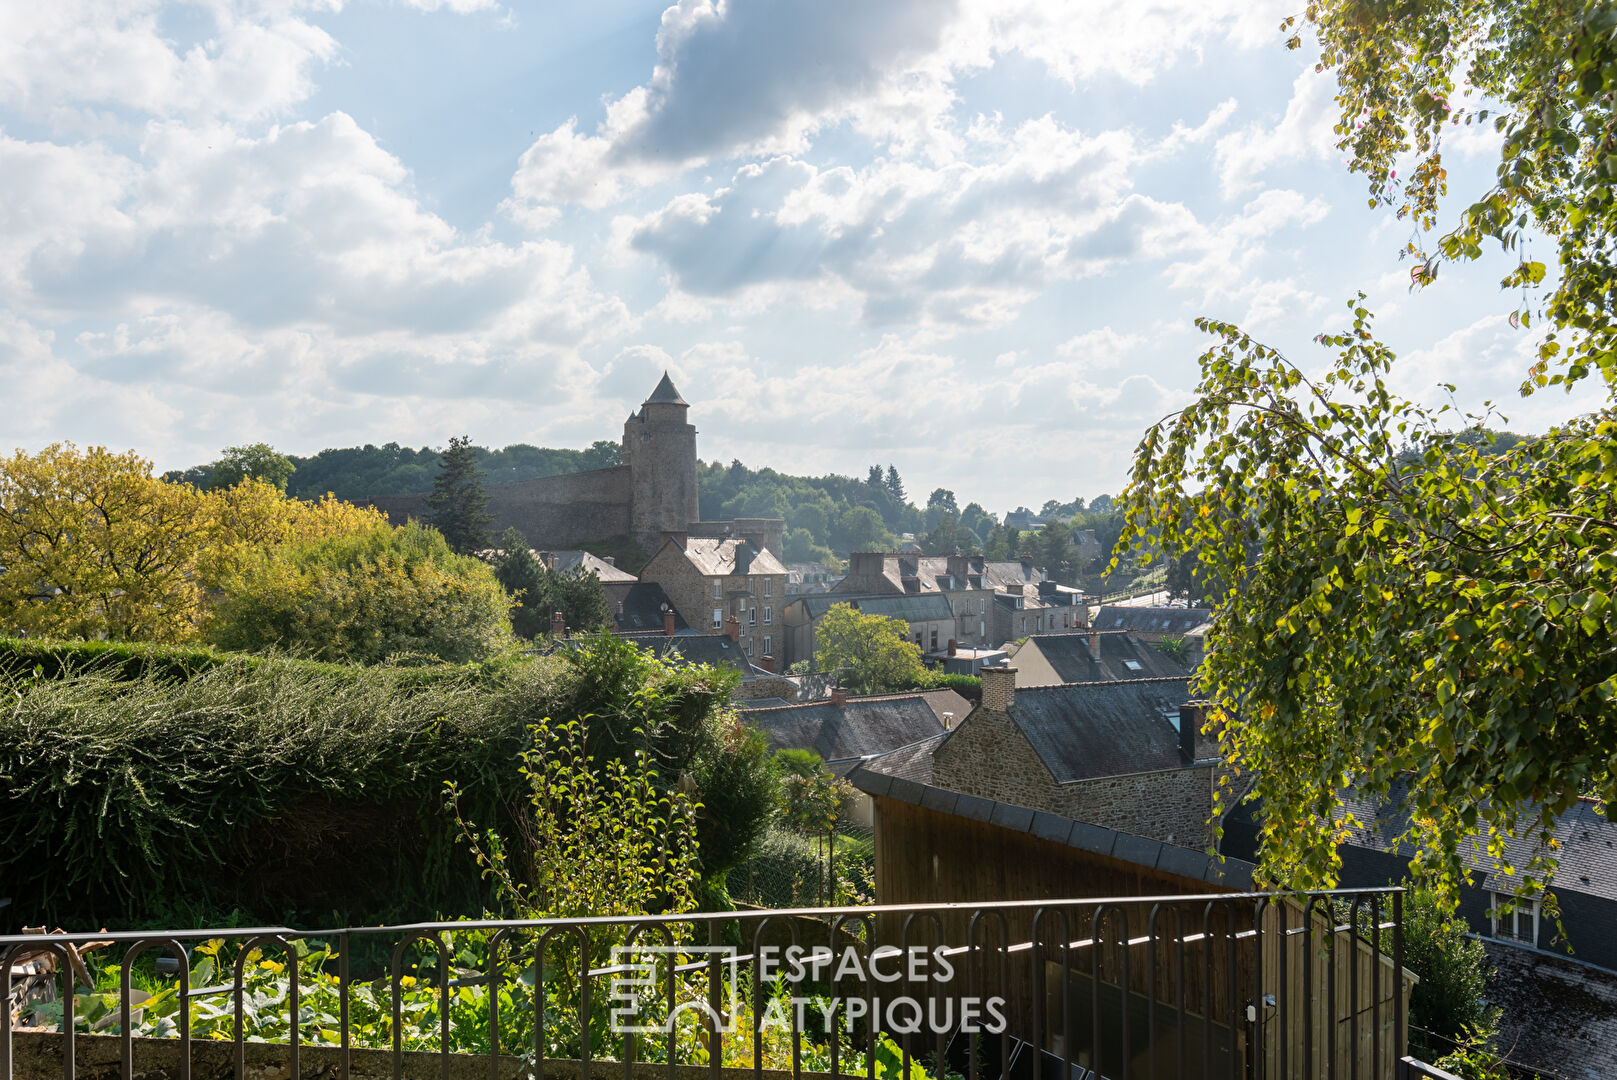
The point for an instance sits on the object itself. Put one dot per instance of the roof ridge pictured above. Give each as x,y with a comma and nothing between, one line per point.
1106,682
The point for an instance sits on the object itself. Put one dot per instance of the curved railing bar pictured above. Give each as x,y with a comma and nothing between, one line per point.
293,1032
125,1019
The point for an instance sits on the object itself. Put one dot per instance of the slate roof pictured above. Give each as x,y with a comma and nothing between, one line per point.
1154,620
724,557
665,394
714,649
563,561
1587,860
864,726
1558,1017
905,775
1002,575
1068,657
922,608
1082,731
643,609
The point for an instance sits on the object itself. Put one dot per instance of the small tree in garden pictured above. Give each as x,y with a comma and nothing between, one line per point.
598,837
870,651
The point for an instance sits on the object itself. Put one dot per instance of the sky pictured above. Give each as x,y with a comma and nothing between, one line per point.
965,237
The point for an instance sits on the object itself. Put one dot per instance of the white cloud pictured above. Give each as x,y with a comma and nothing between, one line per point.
65,61
1100,350
1487,361
964,244
1303,132
313,223
747,80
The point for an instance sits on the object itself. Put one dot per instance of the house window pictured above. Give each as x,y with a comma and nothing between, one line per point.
769,586
769,615
741,603
718,618
982,606
1132,665
982,629
752,617
1518,923
769,644
934,639
718,590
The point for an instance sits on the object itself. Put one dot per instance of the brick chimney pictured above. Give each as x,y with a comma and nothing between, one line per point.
839,696
558,626
1191,718
767,662
1094,645
1027,562
954,647
999,688
732,628
668,622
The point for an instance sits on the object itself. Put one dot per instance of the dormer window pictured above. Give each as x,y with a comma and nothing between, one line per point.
1513,919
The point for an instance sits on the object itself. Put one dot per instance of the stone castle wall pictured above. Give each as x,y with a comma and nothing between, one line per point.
551,511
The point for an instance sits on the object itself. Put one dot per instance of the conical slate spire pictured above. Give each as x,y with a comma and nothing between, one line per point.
665,394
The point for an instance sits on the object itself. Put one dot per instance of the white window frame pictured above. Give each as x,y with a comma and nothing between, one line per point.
718,618
769,645
1507,926
718,590
769,586
769,615
752,616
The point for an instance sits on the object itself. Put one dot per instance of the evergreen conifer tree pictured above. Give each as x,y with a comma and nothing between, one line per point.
458,505
895,486
524,578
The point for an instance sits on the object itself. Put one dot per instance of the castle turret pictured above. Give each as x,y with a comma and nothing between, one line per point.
659,447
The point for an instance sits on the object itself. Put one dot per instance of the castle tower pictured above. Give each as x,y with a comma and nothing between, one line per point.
659,447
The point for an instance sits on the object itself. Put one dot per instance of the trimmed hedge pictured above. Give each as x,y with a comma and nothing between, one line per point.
137,782
969,687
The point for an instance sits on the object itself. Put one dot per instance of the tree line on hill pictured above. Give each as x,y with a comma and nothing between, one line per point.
827,517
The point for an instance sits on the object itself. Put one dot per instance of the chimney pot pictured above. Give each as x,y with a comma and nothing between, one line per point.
1094,645
839,696
948,721
732,628
668,622
954,647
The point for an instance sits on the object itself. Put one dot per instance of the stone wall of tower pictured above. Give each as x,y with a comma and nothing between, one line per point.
659,449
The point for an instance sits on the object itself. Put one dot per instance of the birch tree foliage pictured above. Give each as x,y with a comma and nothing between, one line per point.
1543,74
1398,604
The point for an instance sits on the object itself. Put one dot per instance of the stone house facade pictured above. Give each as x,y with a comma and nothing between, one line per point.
979,592
712,580
1110,754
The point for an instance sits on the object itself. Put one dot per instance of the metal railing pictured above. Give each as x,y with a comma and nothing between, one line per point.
1241,986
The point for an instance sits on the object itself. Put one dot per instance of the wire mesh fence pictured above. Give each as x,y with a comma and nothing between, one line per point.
795,869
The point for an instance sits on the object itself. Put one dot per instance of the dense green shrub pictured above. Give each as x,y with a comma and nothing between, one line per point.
362,598
969,687
289,790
